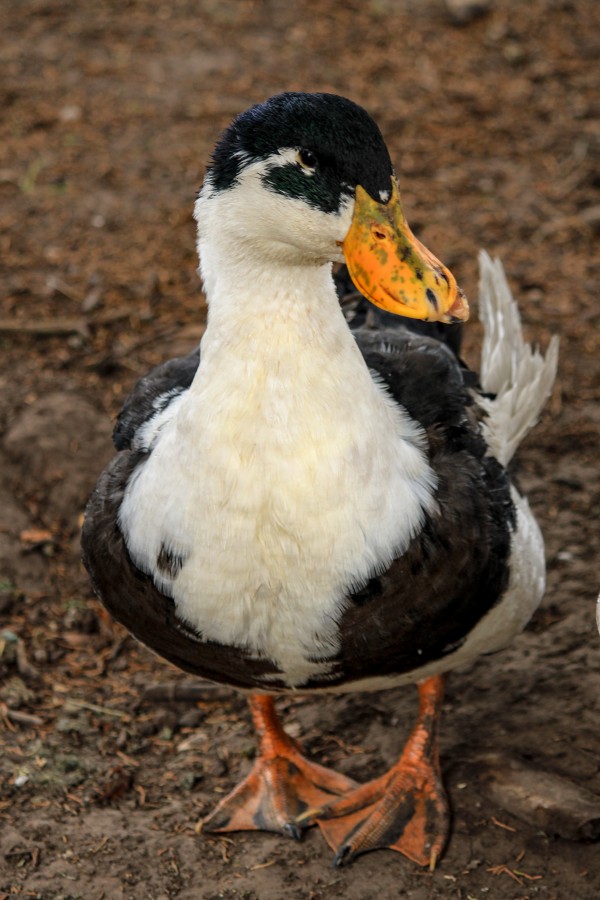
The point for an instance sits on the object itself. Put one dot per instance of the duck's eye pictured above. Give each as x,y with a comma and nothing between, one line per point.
307,160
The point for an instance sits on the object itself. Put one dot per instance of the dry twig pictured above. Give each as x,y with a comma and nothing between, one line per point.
183,692
22,718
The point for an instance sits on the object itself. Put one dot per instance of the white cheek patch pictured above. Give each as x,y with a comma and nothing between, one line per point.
384,196
265,225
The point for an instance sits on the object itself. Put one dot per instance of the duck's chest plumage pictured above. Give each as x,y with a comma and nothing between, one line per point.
273,487
306,521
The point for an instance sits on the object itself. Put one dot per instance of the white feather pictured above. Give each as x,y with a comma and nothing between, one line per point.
519,376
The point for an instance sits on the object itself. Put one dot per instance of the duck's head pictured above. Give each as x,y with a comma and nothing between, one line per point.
305,179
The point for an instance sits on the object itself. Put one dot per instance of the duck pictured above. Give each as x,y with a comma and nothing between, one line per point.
304,504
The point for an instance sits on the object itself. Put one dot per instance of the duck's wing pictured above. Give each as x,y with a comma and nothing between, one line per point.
151,395
422,609
129,594
423,373
133,599
473,576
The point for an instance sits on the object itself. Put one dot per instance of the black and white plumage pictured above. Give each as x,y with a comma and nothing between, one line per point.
475,510
302,506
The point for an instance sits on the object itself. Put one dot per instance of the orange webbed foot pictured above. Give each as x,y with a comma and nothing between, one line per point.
282,785
404,810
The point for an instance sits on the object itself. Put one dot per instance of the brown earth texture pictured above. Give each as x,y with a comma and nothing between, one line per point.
109,756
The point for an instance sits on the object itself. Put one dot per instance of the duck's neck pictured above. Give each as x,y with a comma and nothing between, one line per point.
282,381
282,318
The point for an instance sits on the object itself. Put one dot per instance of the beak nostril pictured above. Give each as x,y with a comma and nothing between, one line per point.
379,235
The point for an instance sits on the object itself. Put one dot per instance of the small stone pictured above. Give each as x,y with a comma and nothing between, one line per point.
217,767
72,725
9,636
69,113
190,780
82,619
464,11
197,741
68,763
591,216
191,719
119,664
15,693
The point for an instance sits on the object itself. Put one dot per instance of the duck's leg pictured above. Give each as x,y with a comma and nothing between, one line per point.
282,785
404,810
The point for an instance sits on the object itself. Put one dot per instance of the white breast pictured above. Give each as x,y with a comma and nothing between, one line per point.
284,476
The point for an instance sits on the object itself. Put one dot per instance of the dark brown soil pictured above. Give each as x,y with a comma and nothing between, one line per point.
109,111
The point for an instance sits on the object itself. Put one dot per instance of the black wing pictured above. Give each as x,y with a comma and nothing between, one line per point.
133,599
457,568
129,594
152,393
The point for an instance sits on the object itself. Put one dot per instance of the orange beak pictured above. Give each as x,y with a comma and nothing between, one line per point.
393,269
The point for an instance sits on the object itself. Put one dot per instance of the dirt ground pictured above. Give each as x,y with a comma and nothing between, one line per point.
109,111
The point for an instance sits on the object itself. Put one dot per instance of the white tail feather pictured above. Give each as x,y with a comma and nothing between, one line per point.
519,376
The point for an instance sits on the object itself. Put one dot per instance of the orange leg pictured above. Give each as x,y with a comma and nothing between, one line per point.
406,809
282,785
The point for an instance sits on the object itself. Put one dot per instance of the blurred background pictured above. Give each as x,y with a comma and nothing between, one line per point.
110,110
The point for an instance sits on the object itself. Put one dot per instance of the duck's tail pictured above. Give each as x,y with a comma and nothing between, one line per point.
516,375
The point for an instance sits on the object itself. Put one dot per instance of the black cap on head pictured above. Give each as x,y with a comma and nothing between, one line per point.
345,141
